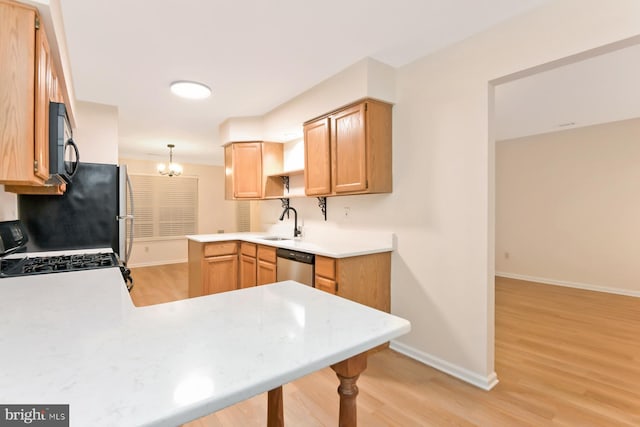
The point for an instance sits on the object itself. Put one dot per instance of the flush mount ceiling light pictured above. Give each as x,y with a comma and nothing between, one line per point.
173,169
190,90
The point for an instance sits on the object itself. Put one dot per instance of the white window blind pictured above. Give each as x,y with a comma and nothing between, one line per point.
243,213
165,207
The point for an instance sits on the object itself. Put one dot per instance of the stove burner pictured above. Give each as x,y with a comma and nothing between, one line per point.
56,264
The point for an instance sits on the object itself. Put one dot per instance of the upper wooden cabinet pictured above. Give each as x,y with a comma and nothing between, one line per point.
317,158
348,151
247,165
28,82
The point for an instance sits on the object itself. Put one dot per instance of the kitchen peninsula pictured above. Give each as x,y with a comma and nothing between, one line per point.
76,338
354,265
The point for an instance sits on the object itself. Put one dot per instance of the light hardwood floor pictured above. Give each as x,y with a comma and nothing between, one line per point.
564,357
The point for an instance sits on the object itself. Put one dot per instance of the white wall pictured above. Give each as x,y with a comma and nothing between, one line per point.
568,207
97,132
442,206
214,213
240,129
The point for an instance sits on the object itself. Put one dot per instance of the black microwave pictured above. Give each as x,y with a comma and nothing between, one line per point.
63,152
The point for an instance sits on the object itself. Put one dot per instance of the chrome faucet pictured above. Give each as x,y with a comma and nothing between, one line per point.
296,230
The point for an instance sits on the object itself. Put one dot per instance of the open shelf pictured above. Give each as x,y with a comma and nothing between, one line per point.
285,185
289,173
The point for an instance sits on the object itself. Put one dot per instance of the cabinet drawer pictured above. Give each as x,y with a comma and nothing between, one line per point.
215,249
325,285
267,253
326,267
248,249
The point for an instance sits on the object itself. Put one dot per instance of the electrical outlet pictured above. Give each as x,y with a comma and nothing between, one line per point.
507,255
347,211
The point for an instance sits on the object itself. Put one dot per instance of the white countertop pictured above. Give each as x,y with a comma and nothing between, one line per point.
340,246
76,338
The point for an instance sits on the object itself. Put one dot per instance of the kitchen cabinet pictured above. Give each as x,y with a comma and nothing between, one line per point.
365,279
325,274
29,82
224,266
220,274
247,166
317,158
248,265
348,151
267,270
213,267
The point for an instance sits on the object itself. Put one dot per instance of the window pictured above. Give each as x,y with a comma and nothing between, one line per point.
165,207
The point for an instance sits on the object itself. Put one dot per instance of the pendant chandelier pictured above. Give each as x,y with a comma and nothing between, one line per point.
173,169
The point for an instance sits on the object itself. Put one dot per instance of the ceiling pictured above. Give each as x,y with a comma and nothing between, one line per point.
254,54
597,90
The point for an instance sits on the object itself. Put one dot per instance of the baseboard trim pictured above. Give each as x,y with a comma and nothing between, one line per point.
567,284
485,383
156,263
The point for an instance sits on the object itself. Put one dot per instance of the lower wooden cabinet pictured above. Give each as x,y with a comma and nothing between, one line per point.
226,266
213,267
220,274
326,285
365,279
267,272
248,265
325,274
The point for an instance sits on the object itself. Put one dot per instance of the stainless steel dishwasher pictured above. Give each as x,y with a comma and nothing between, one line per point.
295,265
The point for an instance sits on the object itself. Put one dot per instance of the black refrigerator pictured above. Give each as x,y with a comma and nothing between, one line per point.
92,213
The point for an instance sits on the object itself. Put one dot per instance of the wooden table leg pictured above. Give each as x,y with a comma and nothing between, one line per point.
348,372
275,413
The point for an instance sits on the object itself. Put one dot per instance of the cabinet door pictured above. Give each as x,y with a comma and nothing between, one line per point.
220,274
247,170
41,114
317,158
325,267
326,285
267,253
266,273
247,271
17,83
348,148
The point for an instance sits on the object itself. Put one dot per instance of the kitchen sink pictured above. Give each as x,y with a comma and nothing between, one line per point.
274,238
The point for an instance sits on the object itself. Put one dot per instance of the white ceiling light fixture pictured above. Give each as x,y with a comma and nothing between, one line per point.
173,169
190,90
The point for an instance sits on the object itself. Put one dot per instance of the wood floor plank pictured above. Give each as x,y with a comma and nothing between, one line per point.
564,357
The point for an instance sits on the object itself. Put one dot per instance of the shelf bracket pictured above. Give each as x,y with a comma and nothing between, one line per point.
285,205
285,182
322,203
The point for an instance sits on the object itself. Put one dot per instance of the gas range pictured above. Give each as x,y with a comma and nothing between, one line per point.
11,267
16,266
13,263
